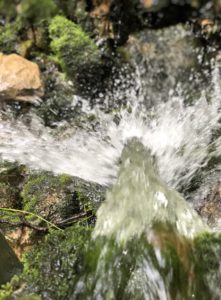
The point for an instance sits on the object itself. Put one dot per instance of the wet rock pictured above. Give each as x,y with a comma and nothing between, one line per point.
9,264
173,61
20,79
74,265
120,18
10,180
56,259
57,198
211,209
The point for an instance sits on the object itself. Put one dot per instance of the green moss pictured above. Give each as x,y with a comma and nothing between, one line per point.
10,180
9,37
9,196
51,267
76,11
72,46
48,196
56,198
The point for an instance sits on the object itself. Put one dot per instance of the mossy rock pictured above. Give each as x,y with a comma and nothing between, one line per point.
76,53
57,198
11,173
11,178
76,11
51,267
71,265
8,196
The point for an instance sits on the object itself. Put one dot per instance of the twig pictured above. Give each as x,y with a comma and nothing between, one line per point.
26,224
74,218
30,214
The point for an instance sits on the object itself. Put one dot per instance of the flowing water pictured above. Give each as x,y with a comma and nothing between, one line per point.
144,155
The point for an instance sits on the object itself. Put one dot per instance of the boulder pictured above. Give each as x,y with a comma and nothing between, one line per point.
9,264
20,79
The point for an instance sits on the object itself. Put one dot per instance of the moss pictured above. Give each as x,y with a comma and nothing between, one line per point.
51,267
54,268
7,290
48,196
73,48
9,37
207,258
11,178
56,198
8,196
77,12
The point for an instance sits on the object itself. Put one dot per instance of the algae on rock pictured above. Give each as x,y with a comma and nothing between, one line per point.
52,266
57,198
77,54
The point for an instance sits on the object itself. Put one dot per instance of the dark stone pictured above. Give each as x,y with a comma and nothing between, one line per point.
9,264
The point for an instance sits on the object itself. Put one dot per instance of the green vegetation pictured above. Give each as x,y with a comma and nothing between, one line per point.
73,48
9,37
51,267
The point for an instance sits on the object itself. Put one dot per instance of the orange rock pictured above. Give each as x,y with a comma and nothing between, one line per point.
147,3
20,79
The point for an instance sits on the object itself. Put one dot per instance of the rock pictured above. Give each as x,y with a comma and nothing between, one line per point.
79,57
9,264
57,198
20,79
211,209
77,267
168,63
72,46
56,259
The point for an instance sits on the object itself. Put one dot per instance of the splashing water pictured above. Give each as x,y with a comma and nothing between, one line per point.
178,135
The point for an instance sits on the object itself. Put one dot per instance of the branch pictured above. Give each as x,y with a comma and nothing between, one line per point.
24,223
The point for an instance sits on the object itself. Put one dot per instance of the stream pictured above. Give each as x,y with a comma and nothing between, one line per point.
147,153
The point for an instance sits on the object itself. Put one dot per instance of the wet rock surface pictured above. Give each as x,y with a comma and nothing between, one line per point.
211,207
61,200
179,56
9,262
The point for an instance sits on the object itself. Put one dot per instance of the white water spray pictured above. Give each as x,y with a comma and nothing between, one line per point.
179,136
